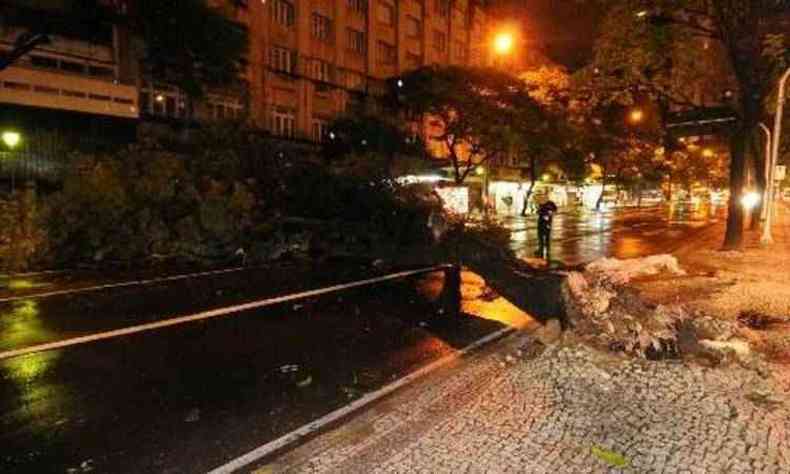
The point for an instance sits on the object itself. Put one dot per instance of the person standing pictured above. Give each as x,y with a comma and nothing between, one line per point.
545,219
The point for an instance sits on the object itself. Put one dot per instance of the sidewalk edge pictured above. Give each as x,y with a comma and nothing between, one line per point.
342,412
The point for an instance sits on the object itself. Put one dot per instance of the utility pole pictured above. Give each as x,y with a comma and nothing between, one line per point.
768,161
767,238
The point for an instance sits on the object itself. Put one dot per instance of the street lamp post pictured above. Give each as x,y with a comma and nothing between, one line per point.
11,139
777,137
768,160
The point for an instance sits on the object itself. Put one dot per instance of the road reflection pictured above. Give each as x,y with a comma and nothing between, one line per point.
21,323
579,236
27,379
477,299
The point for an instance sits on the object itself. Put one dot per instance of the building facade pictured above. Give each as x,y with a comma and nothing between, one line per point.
310,60
85,71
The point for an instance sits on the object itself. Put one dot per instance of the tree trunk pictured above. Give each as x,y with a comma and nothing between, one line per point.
669,187
639,195
733,237
531,187
189,113
527,198
603,190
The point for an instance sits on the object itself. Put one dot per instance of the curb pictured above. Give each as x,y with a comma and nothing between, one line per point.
312,428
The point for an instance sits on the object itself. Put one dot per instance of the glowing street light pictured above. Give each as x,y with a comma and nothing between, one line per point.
749,200
11,138
636,115
503,43
708,153
641,13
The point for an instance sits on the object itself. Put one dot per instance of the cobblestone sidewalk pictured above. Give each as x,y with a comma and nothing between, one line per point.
570,410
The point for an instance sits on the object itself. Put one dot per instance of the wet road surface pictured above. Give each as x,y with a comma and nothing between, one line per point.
189,398
582,236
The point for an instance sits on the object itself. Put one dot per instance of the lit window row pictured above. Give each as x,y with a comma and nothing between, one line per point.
18,86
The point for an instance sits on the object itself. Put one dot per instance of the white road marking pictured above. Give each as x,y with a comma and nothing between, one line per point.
121,284
214,313
300,433
29,274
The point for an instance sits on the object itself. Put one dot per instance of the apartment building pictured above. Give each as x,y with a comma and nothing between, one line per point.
85,71
76,86
309,60
313,59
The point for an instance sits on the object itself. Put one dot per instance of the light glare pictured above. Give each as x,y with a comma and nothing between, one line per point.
503,43
11,139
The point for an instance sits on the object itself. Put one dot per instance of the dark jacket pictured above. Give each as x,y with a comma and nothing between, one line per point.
546,216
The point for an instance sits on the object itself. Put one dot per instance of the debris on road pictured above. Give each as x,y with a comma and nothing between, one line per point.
602,309
620,272
549,333
192,416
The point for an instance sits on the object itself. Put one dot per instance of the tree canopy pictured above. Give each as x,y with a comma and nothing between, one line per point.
472,116
190,44
693,53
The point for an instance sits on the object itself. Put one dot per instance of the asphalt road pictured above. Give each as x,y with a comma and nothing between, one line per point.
189,398
582,236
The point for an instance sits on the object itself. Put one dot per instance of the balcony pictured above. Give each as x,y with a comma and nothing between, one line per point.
33,87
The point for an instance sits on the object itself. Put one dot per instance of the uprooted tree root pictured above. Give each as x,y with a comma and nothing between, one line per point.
613,316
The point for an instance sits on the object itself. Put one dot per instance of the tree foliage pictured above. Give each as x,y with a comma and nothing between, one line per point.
190,44
676,51
473,115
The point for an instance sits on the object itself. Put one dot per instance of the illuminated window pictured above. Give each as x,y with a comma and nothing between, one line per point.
386,53
220,108
321,27
359,6
355,80
283,12
322,70
159,100
320,130
283,121
386,14
460,51
442,8
413,27
439,41
281,59
356,41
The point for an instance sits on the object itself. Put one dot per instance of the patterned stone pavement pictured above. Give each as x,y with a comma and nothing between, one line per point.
498,412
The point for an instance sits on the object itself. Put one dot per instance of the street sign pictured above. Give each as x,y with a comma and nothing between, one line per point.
701,121
779,172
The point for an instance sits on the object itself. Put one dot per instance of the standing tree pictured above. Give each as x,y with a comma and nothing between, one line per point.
472,116
666,48
190,44
549,85
373,142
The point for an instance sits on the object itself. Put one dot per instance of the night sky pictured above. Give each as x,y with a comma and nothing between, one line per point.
563,29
